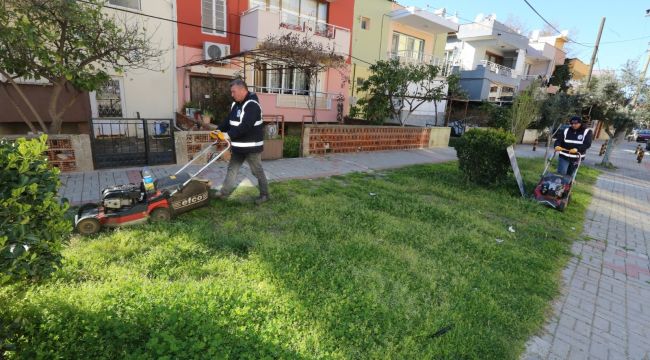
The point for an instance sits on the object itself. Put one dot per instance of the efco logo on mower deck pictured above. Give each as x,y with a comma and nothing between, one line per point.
190,201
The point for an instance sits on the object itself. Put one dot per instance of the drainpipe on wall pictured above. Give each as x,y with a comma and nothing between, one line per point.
174,69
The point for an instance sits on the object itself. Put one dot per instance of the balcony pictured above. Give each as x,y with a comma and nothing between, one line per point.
418,58
297,98
260,22
498,69
488,72
423,20
492,34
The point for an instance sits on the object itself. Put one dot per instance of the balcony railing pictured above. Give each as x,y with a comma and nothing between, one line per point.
415,58
297,98
498,69
294,21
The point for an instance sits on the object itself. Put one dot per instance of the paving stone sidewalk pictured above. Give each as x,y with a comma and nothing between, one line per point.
604,309
85,187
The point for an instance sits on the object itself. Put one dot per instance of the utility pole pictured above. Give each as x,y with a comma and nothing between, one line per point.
593,56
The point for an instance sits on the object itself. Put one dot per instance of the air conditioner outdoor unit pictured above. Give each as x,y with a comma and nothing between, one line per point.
215,51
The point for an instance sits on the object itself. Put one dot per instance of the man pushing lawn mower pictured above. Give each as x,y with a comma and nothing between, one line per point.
571,144
244,129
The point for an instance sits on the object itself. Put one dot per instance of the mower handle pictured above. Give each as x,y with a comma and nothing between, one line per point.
215,143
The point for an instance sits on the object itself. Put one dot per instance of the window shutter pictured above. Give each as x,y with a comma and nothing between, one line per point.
207,15
213,16
220,16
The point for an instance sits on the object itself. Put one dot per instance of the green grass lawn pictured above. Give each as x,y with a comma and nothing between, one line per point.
400,264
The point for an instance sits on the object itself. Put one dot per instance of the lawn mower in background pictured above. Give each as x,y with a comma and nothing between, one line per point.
151,199
555,189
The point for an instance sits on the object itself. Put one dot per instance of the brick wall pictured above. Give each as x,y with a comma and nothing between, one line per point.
324,139
61,154
69,153
190,143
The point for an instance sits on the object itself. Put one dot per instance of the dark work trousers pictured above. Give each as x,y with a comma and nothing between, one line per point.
566,166
255,162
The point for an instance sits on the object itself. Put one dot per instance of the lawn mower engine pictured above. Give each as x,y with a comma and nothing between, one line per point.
118,197
554,190
553,186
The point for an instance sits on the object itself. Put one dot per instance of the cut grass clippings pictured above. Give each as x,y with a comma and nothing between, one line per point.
402,264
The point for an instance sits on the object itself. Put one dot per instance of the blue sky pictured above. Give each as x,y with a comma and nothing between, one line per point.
625,20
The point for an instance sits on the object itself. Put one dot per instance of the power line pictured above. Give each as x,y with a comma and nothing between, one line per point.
552,27
195,25
168,20
469,22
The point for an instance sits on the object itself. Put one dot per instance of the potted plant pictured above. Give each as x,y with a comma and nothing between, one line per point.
207,116
189,109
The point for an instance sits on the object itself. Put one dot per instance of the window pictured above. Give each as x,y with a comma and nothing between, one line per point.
213,16
493,89
321,20
407,46
275,4
493,58
280,78
297,14
109,100
132,4
365,23
359,81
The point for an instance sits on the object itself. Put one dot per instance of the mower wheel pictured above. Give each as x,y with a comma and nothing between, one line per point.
160,214
88,226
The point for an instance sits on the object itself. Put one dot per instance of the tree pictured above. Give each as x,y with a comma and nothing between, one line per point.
561,77
394,89
554,110
498,116
517,24
607,100
549,29
307,56
525,110
635,86
73,45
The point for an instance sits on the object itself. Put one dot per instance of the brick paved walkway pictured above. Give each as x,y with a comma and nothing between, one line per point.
85,187
604,309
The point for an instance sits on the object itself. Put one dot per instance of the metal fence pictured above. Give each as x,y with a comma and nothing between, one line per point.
132,142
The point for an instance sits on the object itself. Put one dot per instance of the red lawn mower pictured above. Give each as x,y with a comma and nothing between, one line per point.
152,199
553,189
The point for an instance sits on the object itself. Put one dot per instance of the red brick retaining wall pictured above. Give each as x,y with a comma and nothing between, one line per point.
323,139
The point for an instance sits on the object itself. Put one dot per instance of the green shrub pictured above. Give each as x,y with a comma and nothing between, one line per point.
291,148
32,224
498,116
482,155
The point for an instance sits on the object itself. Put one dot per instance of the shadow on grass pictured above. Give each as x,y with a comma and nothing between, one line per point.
132,324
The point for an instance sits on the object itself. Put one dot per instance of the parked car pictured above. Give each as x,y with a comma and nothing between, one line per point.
643,135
